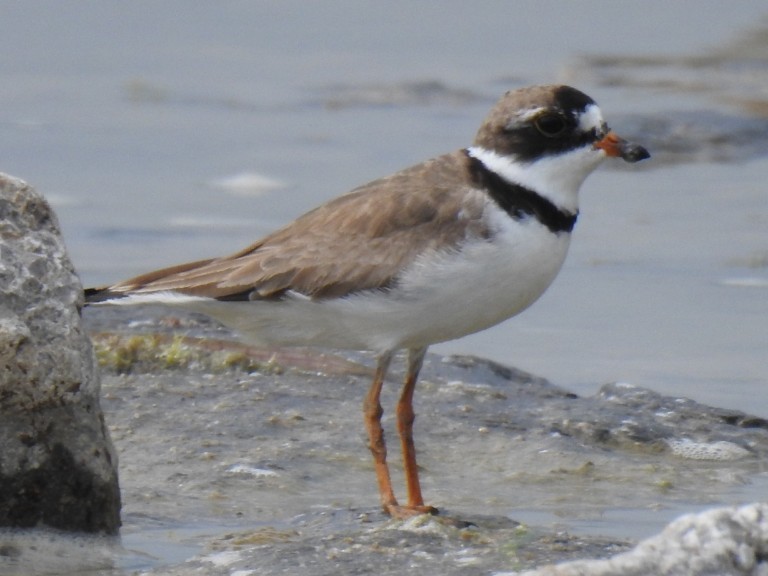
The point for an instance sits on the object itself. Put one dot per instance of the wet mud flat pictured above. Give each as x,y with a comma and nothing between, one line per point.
233,458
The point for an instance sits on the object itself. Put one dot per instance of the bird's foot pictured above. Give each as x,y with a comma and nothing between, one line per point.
404,512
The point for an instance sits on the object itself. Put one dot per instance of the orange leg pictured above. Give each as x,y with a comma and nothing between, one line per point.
372,412
405,419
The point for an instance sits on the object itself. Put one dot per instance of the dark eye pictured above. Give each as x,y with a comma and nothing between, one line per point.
550,125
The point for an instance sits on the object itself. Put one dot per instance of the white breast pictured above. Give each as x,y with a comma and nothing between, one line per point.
450,294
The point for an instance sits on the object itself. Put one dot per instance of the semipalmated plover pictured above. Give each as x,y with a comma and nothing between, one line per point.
443,249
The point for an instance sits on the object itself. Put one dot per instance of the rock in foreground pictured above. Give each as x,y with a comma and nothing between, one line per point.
724,541
57,463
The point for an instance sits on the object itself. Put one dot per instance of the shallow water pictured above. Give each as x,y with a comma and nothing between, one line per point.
134,119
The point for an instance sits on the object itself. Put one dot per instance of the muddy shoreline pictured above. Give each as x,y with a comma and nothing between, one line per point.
266,450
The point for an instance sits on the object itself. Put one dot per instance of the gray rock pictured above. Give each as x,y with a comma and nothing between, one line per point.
57,463
722,541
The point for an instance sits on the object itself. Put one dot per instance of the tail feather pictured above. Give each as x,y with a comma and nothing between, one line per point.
101,294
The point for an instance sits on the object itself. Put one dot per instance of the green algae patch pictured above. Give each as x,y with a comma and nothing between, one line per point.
131,353
134,353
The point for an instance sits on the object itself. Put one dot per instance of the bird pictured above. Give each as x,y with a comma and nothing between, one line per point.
436,251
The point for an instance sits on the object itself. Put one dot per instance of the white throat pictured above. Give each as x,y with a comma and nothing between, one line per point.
556,178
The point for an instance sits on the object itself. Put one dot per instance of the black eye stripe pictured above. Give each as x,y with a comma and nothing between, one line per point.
533,139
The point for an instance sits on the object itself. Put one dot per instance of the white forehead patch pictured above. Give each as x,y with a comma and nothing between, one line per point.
591,118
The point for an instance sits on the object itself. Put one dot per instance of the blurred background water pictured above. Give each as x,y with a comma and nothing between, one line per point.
164,132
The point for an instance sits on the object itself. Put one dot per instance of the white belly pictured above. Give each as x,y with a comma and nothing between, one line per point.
442,297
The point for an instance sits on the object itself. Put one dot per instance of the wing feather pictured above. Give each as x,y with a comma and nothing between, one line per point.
359,241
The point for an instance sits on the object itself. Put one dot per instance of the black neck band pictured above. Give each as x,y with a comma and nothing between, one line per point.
518,201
